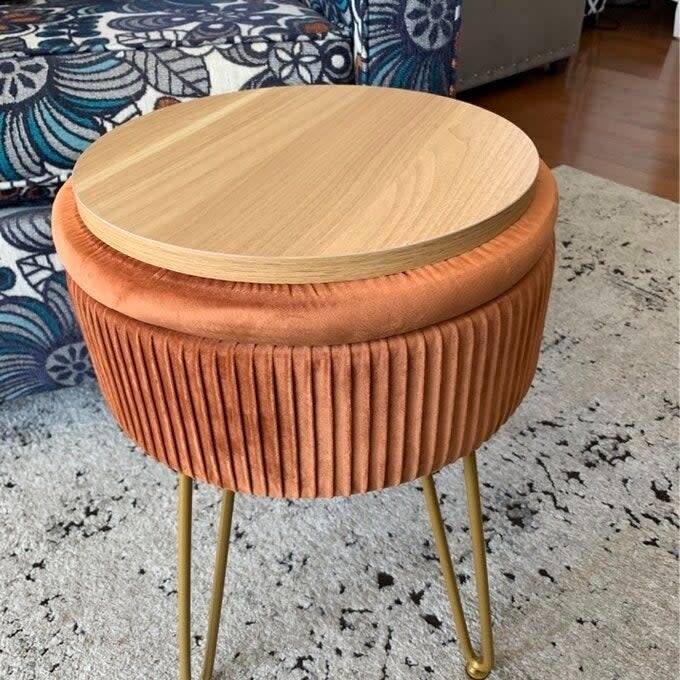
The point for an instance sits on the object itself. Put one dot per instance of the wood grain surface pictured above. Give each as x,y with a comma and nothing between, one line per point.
305,184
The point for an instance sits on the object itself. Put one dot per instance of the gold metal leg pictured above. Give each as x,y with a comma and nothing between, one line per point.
478,666
184,576
184,579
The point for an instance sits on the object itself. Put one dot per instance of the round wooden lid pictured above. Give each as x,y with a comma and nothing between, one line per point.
305,184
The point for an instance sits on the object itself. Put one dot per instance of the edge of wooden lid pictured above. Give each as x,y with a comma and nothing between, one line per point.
258,269
307,269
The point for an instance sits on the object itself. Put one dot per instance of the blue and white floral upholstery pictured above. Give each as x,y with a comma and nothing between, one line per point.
72,69
400,43
338,12
40,343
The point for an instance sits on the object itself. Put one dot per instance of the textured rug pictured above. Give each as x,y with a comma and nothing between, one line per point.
579,492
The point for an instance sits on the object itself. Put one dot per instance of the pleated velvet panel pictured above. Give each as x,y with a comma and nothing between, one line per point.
323,420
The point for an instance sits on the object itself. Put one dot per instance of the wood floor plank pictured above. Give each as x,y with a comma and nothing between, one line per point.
615,111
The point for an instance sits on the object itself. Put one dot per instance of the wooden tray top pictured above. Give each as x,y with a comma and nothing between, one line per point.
305,184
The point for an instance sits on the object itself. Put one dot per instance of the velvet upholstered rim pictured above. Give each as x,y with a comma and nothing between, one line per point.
305,314
318,421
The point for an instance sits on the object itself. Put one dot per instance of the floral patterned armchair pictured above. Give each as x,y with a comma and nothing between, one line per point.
72,69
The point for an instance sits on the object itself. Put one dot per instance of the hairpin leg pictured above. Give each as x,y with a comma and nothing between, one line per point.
478,666
184,579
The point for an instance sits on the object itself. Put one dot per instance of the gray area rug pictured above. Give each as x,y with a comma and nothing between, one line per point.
579,492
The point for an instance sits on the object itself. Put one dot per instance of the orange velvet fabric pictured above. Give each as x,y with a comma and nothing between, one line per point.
304,314
309,421
334,401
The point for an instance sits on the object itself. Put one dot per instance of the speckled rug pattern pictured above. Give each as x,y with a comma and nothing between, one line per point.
579,494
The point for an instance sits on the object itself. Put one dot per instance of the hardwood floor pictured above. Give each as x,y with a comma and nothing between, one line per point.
614,112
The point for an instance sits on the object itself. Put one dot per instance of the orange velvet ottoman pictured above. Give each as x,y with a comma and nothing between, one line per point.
265,315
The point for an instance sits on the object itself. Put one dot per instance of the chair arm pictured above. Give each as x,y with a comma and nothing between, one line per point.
400,43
